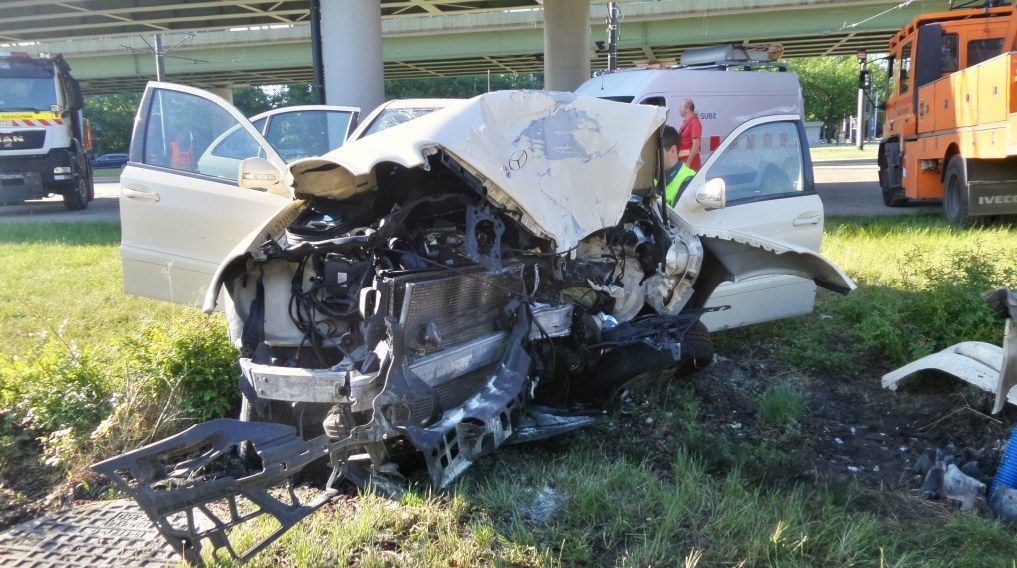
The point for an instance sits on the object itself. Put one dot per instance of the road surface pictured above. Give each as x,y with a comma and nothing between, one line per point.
849,188
103,208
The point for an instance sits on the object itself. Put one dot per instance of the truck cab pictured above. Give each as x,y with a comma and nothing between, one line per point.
43,146
950,131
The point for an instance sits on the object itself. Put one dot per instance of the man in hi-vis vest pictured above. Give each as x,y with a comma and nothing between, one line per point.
676,173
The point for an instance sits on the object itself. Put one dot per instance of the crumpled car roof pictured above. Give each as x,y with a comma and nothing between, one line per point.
566,163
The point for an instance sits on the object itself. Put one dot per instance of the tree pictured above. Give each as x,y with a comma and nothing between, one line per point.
464,86
112,118
252,100
830,86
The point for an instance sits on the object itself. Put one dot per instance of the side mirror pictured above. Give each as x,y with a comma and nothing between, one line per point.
712,194
260,175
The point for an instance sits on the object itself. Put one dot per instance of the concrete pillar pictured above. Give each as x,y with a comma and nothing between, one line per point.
224,92
566,44
351,51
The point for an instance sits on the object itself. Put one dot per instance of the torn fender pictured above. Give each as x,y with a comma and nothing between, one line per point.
744,255
974,362
988,367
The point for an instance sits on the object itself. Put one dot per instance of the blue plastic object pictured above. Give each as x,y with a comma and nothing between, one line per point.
1007,472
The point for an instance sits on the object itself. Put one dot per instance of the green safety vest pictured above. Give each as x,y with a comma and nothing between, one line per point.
677,184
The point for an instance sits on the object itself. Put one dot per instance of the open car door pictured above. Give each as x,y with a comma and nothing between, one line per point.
182,208
764,173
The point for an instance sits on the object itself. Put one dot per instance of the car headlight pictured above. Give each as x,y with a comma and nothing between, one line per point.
62,170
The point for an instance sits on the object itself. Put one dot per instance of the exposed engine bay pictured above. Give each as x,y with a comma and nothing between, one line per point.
422,317
429,317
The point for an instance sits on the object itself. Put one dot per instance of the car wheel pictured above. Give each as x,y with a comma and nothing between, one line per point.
618,369
697,351
955,195
76,198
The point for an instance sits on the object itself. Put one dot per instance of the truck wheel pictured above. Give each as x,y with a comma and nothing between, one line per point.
91,183
955,195
894,197
76,198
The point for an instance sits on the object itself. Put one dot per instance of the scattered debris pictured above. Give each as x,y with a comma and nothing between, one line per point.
1004,503
962,488
546,503
991,368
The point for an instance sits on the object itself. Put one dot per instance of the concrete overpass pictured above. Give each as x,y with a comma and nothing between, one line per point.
269,42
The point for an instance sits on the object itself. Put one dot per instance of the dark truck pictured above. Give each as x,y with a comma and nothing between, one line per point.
44,147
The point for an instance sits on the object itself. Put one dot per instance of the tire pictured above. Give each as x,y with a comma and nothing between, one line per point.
894,197
625,364
955,195
619,368
91,183
76,198
697,351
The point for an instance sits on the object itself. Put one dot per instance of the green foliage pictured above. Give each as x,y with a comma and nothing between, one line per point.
459,87
61,388
830,86
942,306
196,361
112,118
781,403
252,100
920,287
99,401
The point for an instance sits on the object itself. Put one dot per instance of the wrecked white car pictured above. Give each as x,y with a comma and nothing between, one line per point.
495,271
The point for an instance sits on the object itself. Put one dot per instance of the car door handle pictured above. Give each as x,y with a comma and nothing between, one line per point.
807,219
132,193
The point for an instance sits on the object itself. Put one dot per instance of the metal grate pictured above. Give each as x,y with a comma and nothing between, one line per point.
101,534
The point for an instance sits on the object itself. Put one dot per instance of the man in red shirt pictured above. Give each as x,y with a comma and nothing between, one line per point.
690,135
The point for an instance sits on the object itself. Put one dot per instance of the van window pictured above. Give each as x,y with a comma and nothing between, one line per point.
981,49
618,99
904,75
949,62
653,101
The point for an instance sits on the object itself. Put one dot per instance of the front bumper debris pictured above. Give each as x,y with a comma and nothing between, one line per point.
191,491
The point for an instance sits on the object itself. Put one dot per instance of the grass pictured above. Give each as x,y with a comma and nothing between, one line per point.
108,172
624,494
843,152
782,403
64,279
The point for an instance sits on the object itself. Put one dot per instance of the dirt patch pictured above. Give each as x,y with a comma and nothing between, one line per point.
851,429
28,488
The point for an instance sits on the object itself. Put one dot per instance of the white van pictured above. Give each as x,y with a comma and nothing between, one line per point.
724,101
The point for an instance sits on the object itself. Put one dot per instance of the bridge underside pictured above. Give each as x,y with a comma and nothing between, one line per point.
268,43
874,42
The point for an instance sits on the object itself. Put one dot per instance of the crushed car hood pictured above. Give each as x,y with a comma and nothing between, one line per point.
567,164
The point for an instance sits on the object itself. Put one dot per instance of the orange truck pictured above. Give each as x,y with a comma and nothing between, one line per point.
951,115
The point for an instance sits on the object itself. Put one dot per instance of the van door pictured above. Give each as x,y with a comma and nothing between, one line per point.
770,193
181,208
